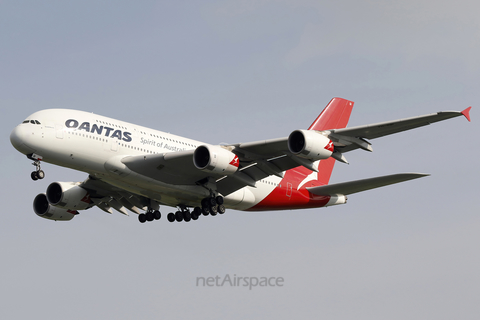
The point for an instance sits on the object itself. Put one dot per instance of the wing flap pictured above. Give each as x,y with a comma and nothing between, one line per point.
351,187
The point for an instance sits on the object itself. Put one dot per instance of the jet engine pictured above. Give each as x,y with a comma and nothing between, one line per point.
43,209
215,159
310,145
68,195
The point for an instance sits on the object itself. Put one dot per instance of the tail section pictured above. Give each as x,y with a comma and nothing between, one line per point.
292,192
335,116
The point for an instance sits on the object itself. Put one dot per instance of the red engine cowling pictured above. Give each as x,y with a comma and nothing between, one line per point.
215,159
68,195
310,145
43,209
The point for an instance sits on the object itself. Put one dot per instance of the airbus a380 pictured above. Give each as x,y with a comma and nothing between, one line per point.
137,169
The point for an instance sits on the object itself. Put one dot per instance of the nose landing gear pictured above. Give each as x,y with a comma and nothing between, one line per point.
38,173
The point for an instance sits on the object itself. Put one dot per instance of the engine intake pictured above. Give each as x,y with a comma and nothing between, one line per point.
215,159
43,209
310,145
68,195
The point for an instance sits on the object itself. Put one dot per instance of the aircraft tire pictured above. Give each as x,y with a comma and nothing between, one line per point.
196,213
212,202
157,215
213,210
40,174
171,217
206,211
179,216
149,216
221,209
142,218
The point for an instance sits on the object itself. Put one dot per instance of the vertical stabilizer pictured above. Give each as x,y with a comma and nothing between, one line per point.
335,116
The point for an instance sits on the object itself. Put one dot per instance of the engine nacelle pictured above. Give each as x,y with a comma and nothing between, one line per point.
43,209
310,145
68,195
215,159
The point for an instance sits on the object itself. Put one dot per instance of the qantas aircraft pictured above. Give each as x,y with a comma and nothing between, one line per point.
137,169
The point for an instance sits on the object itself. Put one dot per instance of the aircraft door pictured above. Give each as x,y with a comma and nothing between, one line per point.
59,131
289,189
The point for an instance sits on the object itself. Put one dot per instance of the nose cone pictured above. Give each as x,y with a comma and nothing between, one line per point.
17,138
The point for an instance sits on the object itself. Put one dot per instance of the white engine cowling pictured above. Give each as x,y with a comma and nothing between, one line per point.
68,195
215,159
310,145
43,209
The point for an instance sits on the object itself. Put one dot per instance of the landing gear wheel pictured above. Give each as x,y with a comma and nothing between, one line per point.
196,213
142,217
206,211
213,210
157,215
40,174
221,209
171,217
179,216
219,200
187,216
34,176
149,216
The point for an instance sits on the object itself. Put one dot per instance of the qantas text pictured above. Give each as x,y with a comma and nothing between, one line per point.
106,131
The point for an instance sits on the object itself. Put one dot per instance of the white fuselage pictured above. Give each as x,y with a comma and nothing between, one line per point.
92,143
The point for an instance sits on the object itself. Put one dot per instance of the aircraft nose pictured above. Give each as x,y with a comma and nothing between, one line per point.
17,139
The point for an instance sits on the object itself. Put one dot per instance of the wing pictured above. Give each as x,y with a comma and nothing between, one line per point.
257,160
260,159
348,139
346,188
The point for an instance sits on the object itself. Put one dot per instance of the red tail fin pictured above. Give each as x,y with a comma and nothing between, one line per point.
335,116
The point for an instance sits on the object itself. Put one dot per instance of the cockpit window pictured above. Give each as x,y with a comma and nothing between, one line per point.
32,121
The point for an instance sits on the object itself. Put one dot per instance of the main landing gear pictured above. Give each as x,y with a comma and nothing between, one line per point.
38,173
210,205
150,215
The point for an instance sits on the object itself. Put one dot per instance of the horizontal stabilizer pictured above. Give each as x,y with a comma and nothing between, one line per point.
350,187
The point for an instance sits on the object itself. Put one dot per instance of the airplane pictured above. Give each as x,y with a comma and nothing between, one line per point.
138,169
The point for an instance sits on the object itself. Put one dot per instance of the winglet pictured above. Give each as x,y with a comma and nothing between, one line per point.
466,113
